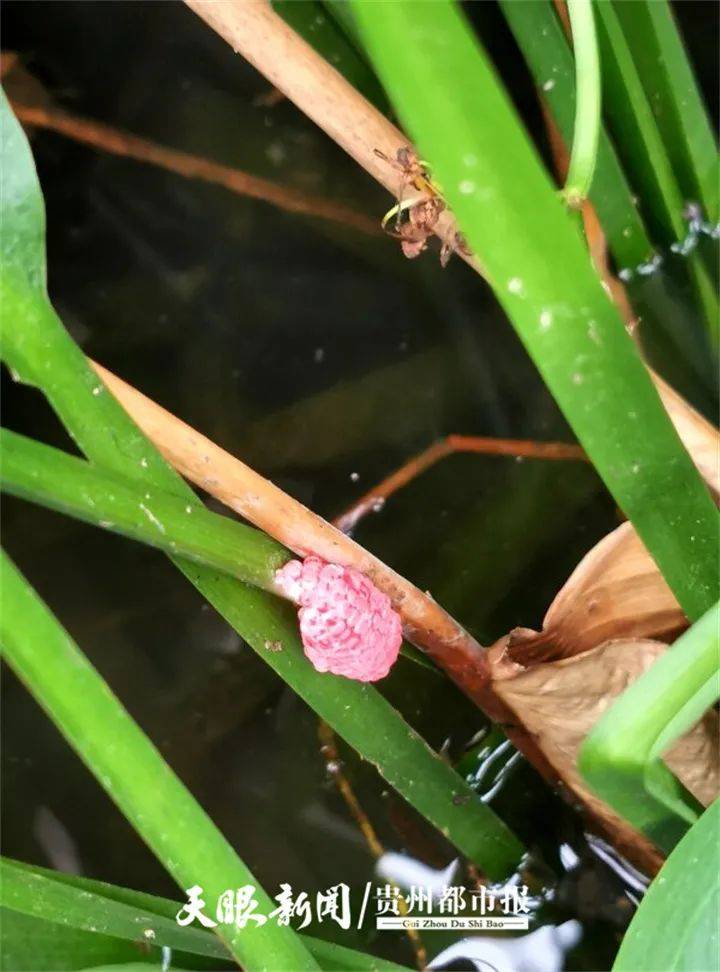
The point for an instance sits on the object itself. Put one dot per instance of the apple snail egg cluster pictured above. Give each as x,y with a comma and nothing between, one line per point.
348,626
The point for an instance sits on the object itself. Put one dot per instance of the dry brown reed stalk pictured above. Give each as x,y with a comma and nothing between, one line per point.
262,503
253,29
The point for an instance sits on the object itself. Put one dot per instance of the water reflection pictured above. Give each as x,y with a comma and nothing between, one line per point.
543,950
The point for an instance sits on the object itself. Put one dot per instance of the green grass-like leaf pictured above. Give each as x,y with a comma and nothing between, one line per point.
676,102
675,927
132,771
644,154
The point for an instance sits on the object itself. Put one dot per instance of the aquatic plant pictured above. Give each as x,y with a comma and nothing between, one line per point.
567,252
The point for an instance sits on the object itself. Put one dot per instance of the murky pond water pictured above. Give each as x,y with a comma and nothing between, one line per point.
325,360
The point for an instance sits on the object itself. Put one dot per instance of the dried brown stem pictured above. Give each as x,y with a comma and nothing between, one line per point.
117,142
562,12
450,445
253,29
258,500
329,750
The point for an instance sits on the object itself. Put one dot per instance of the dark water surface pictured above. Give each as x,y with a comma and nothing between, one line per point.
323,359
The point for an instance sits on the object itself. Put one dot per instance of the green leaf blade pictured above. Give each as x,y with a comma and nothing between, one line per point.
132,771
673,92
102,909
676,926
645,157
620,759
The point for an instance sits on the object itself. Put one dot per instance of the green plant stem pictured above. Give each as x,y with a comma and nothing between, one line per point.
538,266
541,39
587,106
621,758
132,771
73,486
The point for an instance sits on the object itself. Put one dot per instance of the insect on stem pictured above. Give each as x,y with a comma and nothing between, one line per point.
415,218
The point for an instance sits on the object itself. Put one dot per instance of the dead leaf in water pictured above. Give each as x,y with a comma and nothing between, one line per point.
605,628
559,702
617,591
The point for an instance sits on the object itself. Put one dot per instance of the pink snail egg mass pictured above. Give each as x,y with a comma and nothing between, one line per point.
348,626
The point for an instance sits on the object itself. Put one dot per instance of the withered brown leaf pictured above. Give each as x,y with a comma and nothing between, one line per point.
616,591
604,629
561,701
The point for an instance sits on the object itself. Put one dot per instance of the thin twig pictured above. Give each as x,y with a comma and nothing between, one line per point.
333,763
117,142
376,497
